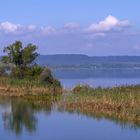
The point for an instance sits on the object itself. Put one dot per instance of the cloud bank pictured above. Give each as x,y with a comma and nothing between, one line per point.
109,24
110,36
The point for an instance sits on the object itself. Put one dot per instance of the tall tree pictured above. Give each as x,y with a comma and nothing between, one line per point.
14,54
20,56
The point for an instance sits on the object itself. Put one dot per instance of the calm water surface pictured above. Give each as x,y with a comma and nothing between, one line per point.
39,120
99,77
26,120
100,82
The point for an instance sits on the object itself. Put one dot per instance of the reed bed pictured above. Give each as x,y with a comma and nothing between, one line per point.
16,87
121,103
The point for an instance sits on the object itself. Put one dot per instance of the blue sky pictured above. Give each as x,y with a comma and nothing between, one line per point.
92,27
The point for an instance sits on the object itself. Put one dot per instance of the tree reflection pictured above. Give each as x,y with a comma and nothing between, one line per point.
23,114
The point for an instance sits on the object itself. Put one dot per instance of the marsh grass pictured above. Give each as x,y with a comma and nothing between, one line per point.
121,103
22,87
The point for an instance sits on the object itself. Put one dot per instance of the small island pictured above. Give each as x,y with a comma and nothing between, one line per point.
21,76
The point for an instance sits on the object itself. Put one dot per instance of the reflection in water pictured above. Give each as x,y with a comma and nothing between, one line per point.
26,114
23,114
124,124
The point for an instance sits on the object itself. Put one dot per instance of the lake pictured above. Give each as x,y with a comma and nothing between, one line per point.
27,120
98,77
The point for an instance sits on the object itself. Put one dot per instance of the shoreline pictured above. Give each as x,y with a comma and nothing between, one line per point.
122,103
45,90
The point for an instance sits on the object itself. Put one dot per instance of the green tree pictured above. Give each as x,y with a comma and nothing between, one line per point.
20,56
29,54
14,53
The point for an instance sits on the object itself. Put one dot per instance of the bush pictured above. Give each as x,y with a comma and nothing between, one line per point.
4,69
33,72
82,89
2,72
16,72
26,72
47,78
56,83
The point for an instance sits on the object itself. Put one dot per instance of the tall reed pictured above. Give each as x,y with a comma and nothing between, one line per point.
119,102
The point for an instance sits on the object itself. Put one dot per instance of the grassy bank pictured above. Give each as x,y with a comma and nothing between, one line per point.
118,103
23,87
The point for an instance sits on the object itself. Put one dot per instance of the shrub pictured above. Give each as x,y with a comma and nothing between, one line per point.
33,72
46,76
17,72
2,72
4,69
82,89
56,83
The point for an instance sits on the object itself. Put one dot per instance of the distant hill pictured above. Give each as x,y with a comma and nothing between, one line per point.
88,61
64,59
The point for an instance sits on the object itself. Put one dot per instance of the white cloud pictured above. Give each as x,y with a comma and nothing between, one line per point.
31,27
97,35
98,30
48,30
110,23
72,38
72,25
9,27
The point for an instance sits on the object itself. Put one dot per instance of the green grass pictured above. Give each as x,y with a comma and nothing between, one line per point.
20,82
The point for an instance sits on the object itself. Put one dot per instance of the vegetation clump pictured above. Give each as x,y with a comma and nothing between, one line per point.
47,77
22,71
118,103
81,88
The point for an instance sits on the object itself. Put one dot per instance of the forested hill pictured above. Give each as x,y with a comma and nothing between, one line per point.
84,61
76,59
